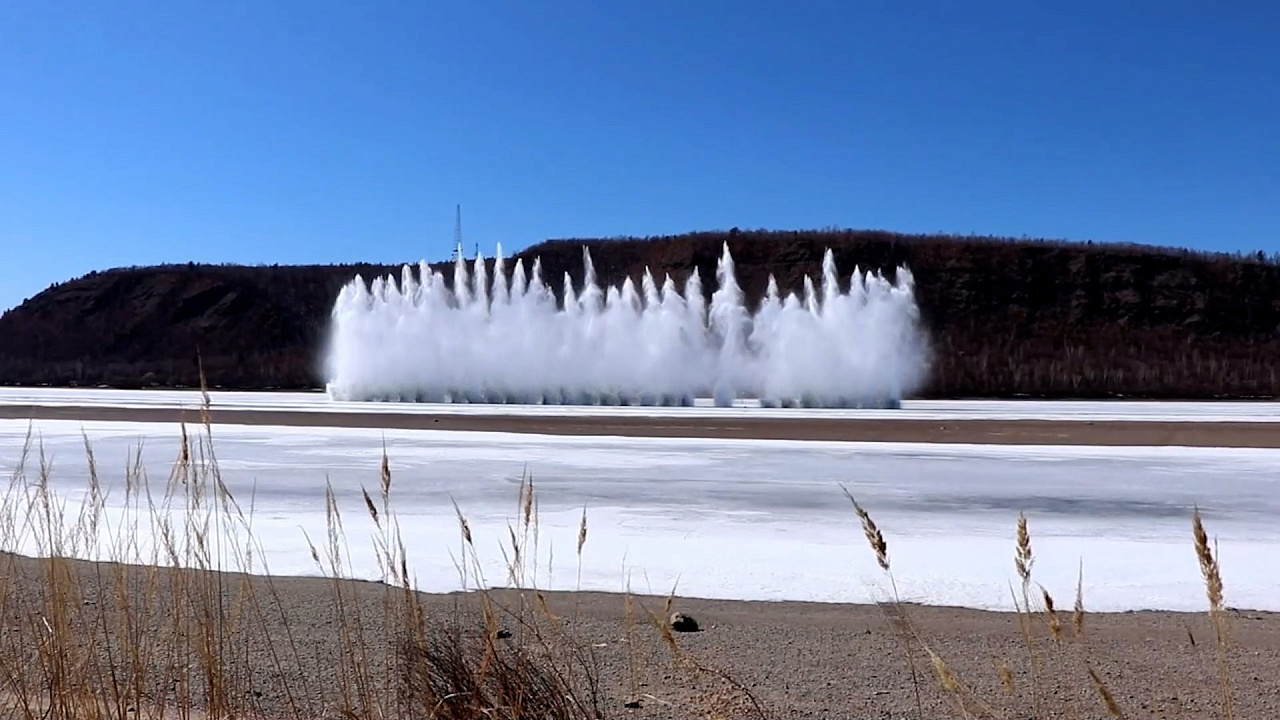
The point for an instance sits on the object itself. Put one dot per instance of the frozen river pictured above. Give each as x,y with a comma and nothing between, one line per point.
1080,410
742,519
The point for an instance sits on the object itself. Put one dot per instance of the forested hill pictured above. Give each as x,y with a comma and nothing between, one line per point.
1005,317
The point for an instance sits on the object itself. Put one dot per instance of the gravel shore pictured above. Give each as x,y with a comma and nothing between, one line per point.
798,660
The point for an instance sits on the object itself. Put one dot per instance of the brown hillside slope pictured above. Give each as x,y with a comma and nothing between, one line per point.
1005,317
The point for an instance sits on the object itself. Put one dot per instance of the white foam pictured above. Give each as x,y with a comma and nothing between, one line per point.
512,341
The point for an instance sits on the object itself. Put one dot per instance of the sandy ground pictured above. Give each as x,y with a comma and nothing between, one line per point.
1010,432
799,660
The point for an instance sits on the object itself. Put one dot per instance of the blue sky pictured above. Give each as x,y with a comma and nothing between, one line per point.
145,132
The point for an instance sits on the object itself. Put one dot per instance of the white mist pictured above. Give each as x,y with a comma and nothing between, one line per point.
513,341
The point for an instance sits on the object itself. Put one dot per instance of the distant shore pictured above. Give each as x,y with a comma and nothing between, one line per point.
977,431
319,389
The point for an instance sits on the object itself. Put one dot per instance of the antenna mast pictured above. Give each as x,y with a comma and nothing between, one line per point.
457,234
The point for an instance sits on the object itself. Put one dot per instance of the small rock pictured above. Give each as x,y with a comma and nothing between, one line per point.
632,704
504,634
684,623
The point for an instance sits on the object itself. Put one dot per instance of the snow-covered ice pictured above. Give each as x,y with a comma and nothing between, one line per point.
741,518
1082,410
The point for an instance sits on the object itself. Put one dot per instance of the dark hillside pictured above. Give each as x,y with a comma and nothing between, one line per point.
1005,317
254,327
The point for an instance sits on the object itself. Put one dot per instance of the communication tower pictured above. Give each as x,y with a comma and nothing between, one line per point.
457,234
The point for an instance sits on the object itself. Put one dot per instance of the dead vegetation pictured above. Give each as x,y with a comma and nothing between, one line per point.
133,638
1042,630
183,618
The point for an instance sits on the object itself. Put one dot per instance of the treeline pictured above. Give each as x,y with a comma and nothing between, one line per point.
1006,317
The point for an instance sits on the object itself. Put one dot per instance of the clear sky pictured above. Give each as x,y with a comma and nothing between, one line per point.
255,132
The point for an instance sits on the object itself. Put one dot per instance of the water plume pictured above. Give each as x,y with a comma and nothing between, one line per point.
511,340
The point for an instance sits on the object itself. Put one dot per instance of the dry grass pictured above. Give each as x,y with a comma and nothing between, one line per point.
127,639
137,639
1213,592
1024,559
905,633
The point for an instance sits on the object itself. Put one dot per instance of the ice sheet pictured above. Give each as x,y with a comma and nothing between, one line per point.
1115,410
744,519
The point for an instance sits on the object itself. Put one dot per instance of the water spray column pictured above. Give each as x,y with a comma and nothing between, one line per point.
730,323
421,339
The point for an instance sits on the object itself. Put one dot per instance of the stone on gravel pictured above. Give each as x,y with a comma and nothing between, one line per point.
684,623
